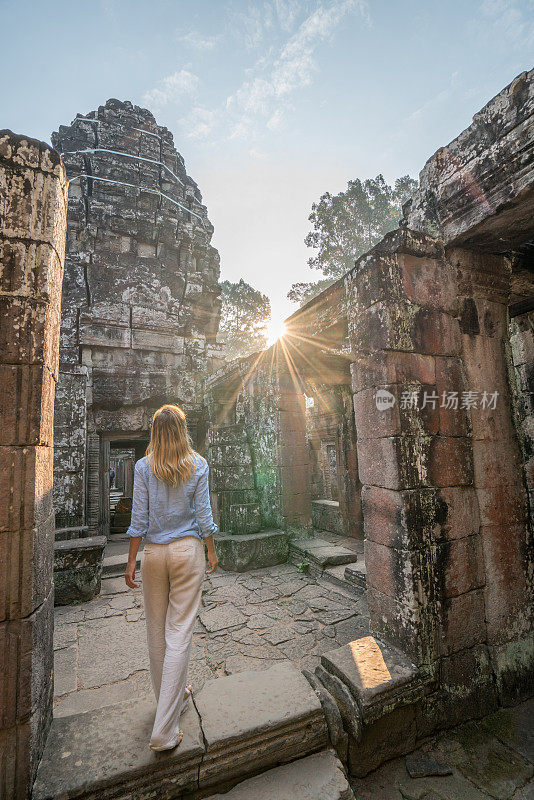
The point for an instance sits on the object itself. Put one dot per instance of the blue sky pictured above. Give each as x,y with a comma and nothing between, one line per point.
271,103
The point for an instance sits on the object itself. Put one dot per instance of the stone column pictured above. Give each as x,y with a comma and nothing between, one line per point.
444,501
507,548
290,401
33,202
422,550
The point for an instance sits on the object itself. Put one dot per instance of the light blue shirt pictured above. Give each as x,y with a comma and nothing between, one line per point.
163,513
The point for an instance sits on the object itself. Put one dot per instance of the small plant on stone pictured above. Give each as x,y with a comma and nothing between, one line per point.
210,664
303,566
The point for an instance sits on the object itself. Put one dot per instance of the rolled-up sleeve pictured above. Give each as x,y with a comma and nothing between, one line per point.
139,522
203,506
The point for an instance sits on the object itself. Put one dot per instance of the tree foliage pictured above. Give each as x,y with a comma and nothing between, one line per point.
244,314
348,224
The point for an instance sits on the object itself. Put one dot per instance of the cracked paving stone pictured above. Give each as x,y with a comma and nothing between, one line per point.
221,617
331,617
65,670
260,651
299,647
109,654
240,663
70,614
350,629
278,635
122,601
65,635
260,621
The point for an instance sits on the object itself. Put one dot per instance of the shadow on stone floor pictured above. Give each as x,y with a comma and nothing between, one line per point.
248,621
488,760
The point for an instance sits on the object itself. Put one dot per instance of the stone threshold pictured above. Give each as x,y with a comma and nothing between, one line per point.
236,727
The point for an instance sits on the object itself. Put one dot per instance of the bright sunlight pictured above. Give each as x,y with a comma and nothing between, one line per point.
275,329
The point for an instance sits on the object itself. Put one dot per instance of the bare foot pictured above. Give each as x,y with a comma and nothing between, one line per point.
171,747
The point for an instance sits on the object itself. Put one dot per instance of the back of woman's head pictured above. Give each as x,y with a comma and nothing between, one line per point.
169,453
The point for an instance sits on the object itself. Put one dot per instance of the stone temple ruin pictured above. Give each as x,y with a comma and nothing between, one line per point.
384,445
139,317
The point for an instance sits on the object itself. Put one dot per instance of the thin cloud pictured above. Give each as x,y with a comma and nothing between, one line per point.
199,123
266,96
197,41
172,88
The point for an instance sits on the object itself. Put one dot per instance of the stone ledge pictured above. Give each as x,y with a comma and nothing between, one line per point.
77,569
236,727
252,721
242,552
105,753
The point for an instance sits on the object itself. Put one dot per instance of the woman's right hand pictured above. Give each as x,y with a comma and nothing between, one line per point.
129,575
213,562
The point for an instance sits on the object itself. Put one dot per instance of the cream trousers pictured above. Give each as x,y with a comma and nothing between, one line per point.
172,585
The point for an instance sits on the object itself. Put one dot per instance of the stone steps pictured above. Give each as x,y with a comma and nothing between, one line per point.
113,566
350,577
319,554
317,777
236,727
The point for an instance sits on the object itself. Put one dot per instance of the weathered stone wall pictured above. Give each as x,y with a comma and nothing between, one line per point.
33,205
140,297
477,191
522,346
447,552
258,448
331,437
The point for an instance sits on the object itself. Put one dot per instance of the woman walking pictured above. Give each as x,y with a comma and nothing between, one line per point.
171,511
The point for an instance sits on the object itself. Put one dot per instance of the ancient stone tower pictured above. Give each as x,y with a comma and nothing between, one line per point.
140,307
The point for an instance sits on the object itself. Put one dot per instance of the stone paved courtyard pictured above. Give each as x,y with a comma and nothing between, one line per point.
247,621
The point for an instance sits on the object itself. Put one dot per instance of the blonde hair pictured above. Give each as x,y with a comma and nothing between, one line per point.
169,453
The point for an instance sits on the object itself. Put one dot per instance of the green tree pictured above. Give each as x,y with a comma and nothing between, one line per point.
348,224
244,314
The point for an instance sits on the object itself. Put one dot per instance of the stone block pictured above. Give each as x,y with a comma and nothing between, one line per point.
78,569
26,559
245,518
398,623
346,704
26,405
26,663
392,571
252,721
375,673
496,463
26,480
327,516
370,370
459,565
95,752
429,282
315,777
508,594
450,461
464,623
37,324
392,735
239,553
404,520
512,666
